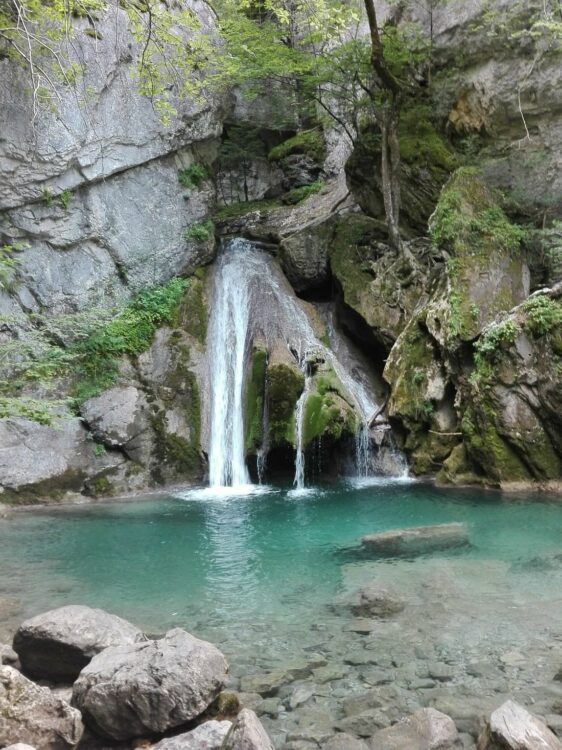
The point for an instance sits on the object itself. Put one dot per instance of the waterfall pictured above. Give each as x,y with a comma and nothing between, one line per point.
228,345
253,299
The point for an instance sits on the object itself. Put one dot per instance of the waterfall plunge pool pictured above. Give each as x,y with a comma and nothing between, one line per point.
256,574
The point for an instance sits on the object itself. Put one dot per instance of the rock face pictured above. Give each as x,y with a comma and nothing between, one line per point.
33,715
36,458
144,688
427,729
512,727
56,645
247,733
207,736
416,541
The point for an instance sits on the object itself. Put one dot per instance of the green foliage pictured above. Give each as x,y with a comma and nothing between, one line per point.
193,176
200,231
47,197
243,207
64,199
490,344
240,144
543,314
43,412
8,265
309,142
297,195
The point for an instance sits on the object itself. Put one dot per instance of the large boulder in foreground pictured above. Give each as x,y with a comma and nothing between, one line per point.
32,715
207,736
416,541
512,727
247,733
144,688
427,729
57,645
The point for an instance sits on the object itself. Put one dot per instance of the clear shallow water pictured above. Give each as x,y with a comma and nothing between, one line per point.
256,574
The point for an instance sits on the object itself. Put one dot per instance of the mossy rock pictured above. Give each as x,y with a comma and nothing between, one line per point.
308,142
284,387
255,401
327,416
486,272
192,314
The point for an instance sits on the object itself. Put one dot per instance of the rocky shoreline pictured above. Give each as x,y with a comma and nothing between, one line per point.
100,681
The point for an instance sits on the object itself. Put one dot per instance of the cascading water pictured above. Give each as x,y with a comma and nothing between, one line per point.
252,298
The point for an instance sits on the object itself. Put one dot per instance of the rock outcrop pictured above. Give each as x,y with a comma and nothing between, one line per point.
247,733
427,729
207,736
144,688
32,715
56,645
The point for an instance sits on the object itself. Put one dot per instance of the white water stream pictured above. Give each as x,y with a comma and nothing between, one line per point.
252,298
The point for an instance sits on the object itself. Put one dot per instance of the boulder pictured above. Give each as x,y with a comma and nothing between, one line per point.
207,736
427,729
371,600
32,715
37,459
7,654
149,687
57,645
512,727
416,541
116,416
19,746
247,733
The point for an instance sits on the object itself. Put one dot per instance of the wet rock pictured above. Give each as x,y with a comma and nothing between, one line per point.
416,541
370,601
149,687
512,727
364,724
265,684
427,729
247,733
301,695
345,742
32,715
207,736
56,645
356,704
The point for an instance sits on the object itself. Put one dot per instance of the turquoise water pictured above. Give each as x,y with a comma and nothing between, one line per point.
258,576
199,560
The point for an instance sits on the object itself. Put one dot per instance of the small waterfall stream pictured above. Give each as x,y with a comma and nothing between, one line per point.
252,298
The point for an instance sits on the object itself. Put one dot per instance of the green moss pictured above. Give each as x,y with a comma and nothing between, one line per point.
192,312
234,210
325,417
486,447
43,412
284,386
309,142
297,195
99,487
255,401
420,143
193,176
200,231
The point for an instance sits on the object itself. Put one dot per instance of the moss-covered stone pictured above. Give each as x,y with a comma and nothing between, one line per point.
284,387
255,401
192,314
327,415
486,273
308,142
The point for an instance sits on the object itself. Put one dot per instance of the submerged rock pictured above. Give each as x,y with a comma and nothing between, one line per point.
512,727
56,645
207,736
32,715
345,742
418,540
371,600
427,729
143,688
247,733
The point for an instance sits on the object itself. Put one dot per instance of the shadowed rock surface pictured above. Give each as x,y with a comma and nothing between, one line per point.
57,645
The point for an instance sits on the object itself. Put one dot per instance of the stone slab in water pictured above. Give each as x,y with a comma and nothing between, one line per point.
418,540
145,688
57,645
512,727
32,715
